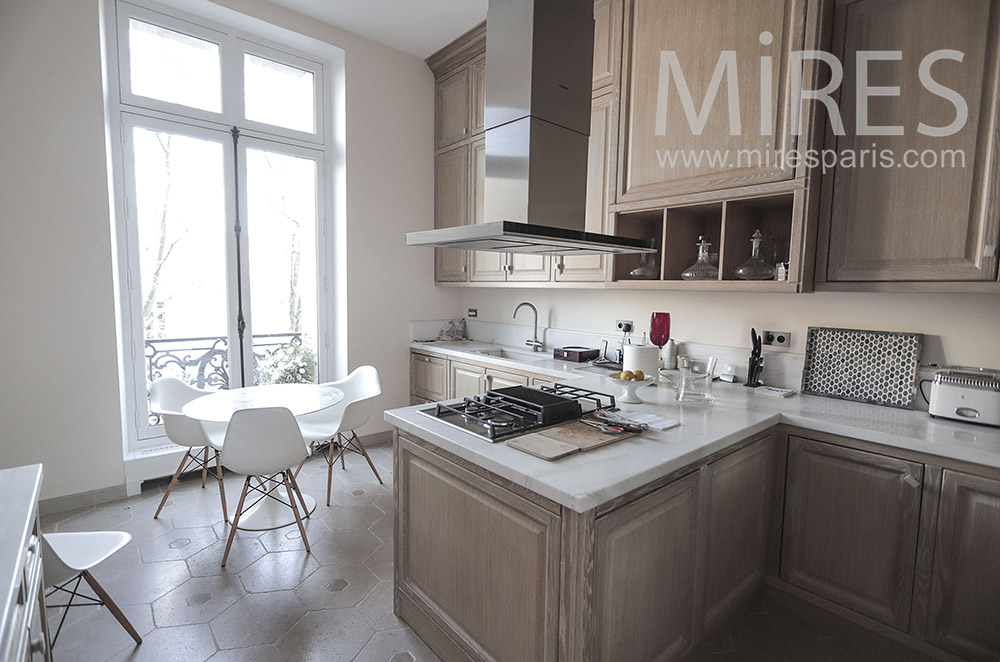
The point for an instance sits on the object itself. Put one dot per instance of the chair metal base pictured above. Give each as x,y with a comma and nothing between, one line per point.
266,492
102,599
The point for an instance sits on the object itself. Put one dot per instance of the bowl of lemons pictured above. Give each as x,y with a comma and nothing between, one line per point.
631,381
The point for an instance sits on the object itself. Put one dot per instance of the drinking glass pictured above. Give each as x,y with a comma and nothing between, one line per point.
659,329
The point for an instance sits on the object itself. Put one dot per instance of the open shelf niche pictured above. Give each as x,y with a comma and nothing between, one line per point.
684,226
772,215
639,225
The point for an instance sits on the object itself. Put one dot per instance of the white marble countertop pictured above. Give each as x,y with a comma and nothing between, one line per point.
586,480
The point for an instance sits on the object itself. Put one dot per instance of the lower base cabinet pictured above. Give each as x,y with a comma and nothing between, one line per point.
965,581
645,575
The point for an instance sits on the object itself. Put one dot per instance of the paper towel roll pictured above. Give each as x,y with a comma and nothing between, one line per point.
642,357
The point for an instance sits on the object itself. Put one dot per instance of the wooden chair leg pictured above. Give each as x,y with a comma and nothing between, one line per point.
298,493
112,607
236,520
329,472
295,509
204,468
222,484
173,481
371,464
341,444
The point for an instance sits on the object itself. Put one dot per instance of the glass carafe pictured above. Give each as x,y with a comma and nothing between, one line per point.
696,380
755,268
703,269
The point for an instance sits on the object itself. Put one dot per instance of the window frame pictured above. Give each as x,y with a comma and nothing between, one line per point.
124,109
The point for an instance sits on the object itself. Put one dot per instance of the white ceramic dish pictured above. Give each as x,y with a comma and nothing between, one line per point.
629,396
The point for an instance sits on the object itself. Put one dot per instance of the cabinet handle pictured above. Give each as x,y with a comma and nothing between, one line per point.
911,481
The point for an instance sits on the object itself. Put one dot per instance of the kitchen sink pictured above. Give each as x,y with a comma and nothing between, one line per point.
514,355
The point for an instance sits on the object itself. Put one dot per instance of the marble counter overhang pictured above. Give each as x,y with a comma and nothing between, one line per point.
583,481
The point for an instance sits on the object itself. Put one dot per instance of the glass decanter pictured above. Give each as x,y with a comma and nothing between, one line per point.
755,268
703,269
647,267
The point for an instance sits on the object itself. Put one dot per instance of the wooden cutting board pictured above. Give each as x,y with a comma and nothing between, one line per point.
564,440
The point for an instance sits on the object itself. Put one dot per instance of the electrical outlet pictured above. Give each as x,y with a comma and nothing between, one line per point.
776,338
473,312
624,325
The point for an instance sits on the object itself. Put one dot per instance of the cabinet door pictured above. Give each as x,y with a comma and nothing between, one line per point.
906,223
478,73
529,268
850,528
658,126
428,377
500,379
737,496
466,379
451,208
599,165
480,560
486,265
451,109
644,570
965,583
607,44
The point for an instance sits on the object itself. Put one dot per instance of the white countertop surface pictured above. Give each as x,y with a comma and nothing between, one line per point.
583,481
544,364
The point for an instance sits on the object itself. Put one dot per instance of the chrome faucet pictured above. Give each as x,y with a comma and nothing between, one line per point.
535,344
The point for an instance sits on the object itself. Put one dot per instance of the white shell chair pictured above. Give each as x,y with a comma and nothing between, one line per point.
265,444
166,397
68,557
333,423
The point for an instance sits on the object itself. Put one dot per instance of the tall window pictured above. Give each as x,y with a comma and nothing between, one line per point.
221,227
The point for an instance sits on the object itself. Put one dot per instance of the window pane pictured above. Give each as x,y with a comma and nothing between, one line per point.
281,230
278,94
181,219
174,67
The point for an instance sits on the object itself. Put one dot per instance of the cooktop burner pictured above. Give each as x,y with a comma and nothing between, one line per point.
506,412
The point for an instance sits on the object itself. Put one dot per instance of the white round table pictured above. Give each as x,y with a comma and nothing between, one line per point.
218,407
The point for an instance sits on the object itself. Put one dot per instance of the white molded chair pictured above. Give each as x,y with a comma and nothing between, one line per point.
67,559
166,397
334,423
265,444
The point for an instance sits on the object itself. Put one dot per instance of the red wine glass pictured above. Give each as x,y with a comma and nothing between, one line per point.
659,329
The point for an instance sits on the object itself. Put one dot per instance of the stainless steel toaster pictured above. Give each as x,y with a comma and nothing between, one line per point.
966,394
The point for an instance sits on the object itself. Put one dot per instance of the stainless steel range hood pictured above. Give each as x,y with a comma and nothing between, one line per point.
539,56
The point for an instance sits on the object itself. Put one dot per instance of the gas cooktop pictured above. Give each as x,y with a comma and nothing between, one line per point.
506,412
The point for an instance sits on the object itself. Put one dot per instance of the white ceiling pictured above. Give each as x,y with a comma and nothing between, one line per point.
418,27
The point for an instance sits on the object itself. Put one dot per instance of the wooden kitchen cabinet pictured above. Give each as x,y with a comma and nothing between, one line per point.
850,528
502,379
644,573
607,45
926,226
466,379
452,108
653,122
737,496
965,581
496,603
477,70
451,208
600,161
428,377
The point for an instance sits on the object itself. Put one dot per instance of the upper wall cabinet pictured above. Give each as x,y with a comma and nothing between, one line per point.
607,45
452,121
927,210
707,96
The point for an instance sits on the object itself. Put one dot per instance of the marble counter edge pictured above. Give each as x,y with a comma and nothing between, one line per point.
548,366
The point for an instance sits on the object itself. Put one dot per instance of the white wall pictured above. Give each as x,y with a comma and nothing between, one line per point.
961,329
58,357
57,327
